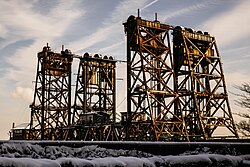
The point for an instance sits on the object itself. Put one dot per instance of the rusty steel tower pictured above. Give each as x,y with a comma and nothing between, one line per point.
94,113
151,98
51,108
200,83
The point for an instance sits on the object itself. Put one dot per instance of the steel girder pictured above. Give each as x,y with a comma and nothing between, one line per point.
200,84
51,108
96,132
151,97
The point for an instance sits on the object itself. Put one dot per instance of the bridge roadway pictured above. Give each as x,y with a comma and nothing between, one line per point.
157,148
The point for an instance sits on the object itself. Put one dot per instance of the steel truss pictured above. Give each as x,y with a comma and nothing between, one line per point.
200,84
51,108
150,77
94,114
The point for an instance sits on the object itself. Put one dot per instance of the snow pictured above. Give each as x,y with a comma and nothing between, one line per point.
33,155
28,162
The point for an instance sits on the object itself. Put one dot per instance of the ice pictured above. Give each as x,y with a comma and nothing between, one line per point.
32,155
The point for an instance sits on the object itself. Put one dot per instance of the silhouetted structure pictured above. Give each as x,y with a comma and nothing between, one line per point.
51,108
150,74
94,113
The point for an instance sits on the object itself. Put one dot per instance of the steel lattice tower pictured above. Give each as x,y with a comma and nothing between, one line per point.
200,83
51,108
151,97
94,114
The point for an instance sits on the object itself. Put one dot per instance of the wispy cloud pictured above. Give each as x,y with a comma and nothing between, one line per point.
150,4
188,9
111,47
23,22
230,26
241,53
111,28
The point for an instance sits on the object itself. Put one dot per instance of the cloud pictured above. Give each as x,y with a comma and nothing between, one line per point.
3,31
237,78
23,93
150,4
230,26
236,58
23,21
185,10
111,48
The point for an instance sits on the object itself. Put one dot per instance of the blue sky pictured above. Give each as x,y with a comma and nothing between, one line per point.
95,26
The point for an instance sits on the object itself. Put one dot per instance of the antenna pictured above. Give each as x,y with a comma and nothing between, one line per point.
155,16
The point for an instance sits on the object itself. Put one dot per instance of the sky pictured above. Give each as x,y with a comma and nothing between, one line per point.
96,27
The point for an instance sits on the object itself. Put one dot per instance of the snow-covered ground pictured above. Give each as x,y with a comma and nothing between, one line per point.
33,155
